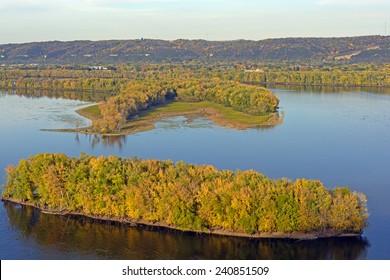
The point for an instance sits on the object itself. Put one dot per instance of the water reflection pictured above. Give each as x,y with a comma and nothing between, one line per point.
111,141
330,89
89,239
87,96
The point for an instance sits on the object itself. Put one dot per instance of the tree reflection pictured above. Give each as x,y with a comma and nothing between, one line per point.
87,96
111,141
330,89
87,238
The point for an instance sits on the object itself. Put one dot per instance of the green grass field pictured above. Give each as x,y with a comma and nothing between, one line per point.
90,112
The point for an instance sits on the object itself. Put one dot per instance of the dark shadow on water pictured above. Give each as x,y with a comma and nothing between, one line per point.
89,239
87,96
330,89
106,141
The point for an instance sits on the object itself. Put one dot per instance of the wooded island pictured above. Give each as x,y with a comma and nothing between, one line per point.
184,196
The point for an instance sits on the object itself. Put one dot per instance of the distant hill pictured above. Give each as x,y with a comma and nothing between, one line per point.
369,49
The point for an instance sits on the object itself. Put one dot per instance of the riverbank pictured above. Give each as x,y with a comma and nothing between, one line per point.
297,235
335,85
145,120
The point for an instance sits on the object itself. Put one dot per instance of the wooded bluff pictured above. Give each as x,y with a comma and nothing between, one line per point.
183,196
369,49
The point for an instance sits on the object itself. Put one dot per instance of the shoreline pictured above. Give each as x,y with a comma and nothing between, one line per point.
243,82
135,223
266,84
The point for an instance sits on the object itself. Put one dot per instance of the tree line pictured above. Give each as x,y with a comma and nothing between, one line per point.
184,196
319,77
284,73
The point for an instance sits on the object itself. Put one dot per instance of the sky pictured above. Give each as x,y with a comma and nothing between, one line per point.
66,20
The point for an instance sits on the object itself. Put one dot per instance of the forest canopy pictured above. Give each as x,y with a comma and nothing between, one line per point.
184,196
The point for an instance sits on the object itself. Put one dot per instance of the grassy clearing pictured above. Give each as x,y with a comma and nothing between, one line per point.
89,112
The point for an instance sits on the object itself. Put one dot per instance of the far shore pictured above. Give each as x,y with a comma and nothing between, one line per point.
272,235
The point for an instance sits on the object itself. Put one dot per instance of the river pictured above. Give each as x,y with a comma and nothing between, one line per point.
340,137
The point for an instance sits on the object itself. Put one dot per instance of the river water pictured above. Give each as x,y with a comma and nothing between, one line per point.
340,137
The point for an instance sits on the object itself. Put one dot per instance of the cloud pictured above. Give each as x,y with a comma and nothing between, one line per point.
33,6
71,6
353,2
113,2
145,2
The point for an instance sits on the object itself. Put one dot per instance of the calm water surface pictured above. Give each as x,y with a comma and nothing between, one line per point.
340,138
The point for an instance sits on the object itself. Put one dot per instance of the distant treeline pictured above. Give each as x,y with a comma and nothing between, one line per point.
319,77
107,80
184,196
79,84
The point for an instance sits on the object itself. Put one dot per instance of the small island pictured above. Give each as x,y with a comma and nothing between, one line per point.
141,103
185,197
219,114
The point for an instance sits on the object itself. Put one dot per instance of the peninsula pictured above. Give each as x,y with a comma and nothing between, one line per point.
140,103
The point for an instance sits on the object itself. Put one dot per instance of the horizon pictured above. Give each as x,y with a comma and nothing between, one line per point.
210,20
194,39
